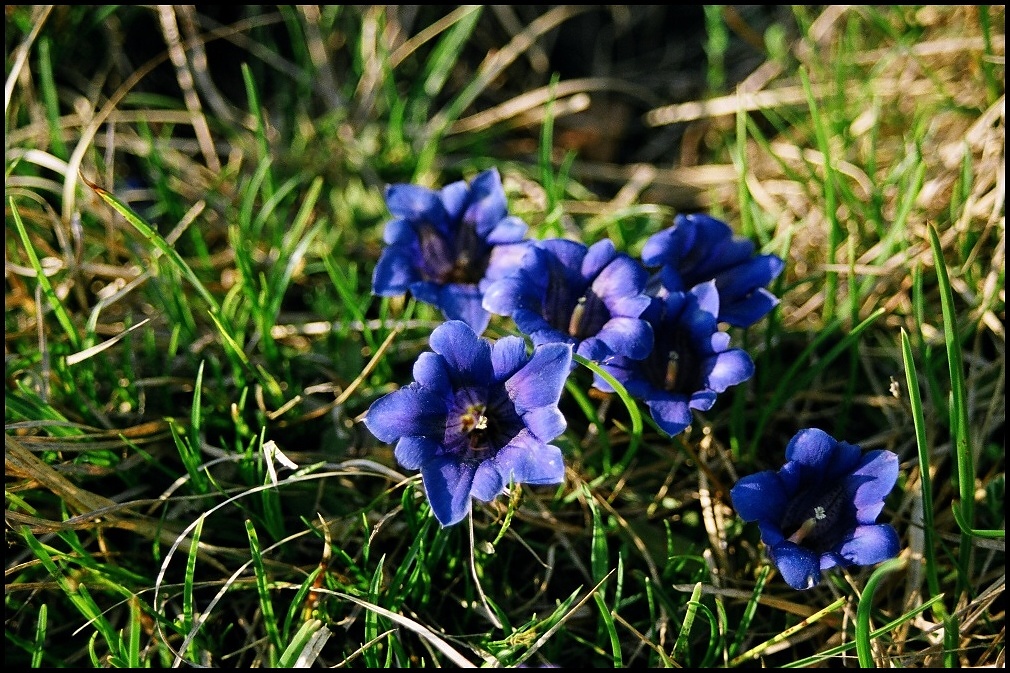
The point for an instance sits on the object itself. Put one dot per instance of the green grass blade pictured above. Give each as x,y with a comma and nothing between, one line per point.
958,410
863,650
303,649
830,653
829,183
635,436
188,583
755,652
39,645
263,591
156,239
925,479
680,647
76,591
47,288
749,611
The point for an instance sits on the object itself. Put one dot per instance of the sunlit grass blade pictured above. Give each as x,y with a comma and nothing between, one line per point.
599,561
635,436
156,239
749,611
263,591
305,646
925,478
755,652
830,653
47,288
76,591
680,646
865,607
188,582
38,648
255,109
828,183
965,461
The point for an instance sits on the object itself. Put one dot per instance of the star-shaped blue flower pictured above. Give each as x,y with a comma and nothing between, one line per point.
820,509
477,417
690,362
698,248
565,292
445,246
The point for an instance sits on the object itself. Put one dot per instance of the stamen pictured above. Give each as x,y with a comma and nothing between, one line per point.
672,369
575,322
481,423
806,528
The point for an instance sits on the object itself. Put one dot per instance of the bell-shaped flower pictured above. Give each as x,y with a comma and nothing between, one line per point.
478,417
690,362
445,246
698,248
819,510
591,297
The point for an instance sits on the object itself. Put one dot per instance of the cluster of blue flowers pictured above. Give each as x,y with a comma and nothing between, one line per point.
481,415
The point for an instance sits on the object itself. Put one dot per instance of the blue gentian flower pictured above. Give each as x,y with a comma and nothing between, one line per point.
690,362
445,246
477,417
698,248
820,509
591,297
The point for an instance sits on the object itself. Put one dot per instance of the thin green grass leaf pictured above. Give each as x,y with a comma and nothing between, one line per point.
865,606
925,478
755,652
828,183
263,591
965,460
76,591
188,581
635,436
680,646
749,611
60,311
830,653
38,647
155,239
305,646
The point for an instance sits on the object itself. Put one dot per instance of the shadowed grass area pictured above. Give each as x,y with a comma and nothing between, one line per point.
194,207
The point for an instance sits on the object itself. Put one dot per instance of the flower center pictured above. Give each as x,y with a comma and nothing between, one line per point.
474,424
818,518
588,316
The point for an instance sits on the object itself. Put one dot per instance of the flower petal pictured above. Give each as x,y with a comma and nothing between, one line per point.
540,381
870,544
429,371
728,369
747,310
812,447
545,423
460,301
508,355
870,482
409,411
468,357
800,568
673,414
528,461
629,337
759,497
487,482
414,202
413,452
394,273
448,483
